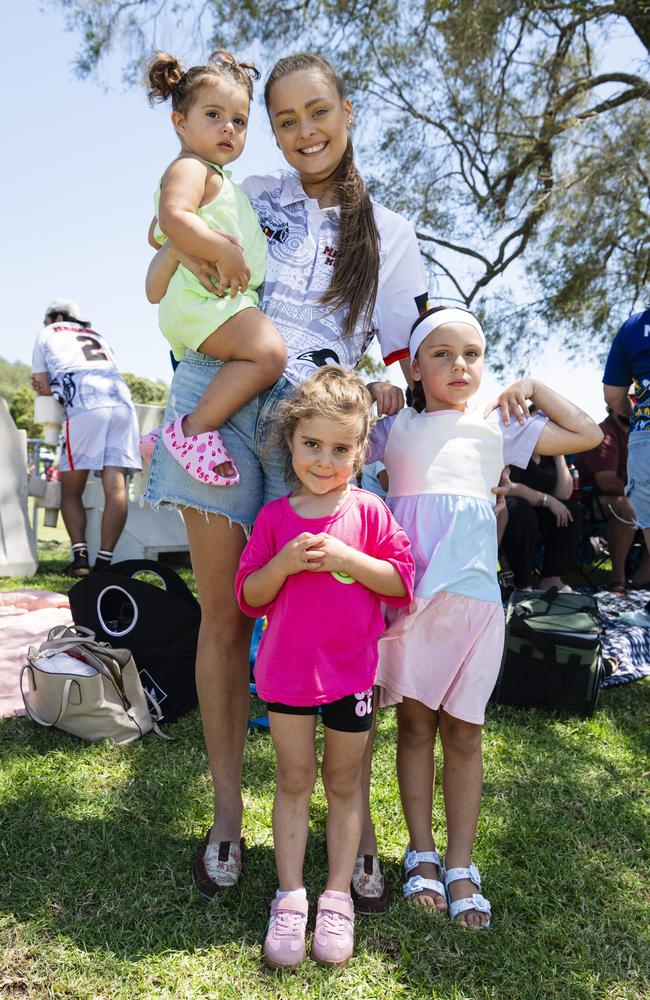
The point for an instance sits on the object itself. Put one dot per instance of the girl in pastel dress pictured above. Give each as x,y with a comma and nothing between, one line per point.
318,564
200,209
439,663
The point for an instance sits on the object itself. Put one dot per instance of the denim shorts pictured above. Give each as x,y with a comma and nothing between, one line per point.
250,436
638,476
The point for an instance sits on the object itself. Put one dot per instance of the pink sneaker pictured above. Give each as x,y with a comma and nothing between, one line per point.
284,945
333,942
200,454
148,443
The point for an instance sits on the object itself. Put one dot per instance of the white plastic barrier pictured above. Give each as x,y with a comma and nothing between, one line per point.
17,546
147,532
47,495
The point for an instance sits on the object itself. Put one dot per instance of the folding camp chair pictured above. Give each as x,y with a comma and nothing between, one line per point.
593,551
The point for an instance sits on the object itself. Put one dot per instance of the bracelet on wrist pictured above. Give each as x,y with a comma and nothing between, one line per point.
542,502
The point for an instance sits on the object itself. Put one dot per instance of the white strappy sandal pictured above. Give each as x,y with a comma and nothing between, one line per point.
474,902
416,883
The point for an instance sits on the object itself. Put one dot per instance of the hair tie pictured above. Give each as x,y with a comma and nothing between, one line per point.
431,321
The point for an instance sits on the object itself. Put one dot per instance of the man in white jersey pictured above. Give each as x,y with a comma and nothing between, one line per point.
75,364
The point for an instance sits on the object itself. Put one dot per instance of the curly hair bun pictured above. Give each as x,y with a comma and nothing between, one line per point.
224,57
163,73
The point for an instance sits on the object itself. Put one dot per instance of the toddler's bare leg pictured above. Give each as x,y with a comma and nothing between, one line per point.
255,356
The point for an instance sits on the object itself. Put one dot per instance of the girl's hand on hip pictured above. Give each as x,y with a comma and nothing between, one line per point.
502,490
561,511
299,554
389,398
514,400
333,554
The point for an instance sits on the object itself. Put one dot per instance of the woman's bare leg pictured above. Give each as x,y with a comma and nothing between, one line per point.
221,662
368,842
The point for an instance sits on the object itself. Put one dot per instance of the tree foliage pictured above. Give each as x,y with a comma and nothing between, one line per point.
15,387
13,376
143,390
506,131
21,408
374,370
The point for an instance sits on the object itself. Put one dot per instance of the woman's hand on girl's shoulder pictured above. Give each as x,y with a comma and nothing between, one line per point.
514,400
389,398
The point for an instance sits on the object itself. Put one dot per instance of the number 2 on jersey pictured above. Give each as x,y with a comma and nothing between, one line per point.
91,348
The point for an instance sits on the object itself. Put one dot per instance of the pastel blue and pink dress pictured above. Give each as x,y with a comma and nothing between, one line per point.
445,650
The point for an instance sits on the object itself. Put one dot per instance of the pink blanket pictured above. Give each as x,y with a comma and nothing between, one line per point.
26,616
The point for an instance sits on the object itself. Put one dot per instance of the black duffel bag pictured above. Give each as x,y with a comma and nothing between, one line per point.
158,622
552,655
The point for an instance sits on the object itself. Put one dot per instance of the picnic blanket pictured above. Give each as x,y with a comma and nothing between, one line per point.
26,616
628,644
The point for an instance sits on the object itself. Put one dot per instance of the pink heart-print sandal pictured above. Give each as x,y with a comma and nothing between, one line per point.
199,454
148,443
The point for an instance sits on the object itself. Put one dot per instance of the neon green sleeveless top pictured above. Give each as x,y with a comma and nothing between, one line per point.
188,313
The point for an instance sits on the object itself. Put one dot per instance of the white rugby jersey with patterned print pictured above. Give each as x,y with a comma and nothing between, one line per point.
302,246
80,367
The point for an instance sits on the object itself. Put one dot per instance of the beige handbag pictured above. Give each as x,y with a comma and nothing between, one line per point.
85,688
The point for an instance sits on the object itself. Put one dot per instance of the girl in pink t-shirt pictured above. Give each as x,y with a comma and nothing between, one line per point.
318,565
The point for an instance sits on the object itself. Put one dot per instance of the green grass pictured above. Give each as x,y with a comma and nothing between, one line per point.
96,844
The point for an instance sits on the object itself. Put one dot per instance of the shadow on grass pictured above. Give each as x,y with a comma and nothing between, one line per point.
110,869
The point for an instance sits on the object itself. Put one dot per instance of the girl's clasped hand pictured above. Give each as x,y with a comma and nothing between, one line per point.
315,553
513,401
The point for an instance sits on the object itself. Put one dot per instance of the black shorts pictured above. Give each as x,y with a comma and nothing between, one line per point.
352,714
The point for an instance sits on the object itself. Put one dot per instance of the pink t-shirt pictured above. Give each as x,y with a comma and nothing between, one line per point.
321,640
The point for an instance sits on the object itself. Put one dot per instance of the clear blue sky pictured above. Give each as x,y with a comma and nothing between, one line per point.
80,164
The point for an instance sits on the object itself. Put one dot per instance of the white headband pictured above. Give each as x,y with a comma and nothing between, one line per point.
441,318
